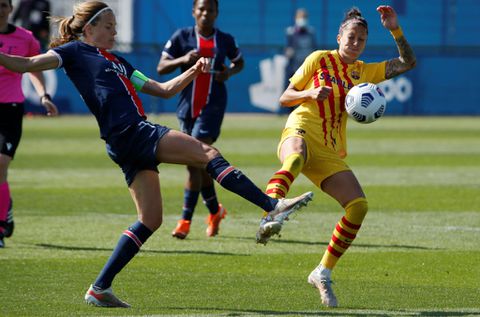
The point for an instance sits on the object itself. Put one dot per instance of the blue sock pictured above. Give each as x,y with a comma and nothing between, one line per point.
233,180
128,245
190,199
210,199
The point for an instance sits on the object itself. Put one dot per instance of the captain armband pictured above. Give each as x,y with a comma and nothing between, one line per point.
397,33
138,80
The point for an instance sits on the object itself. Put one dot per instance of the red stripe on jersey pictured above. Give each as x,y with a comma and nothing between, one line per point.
132,236
331,98
321,110
126,82
345,233
203,83
347,78
350,84
350,225
287,174
341,89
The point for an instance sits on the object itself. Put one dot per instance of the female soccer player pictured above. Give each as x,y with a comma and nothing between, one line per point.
314,139
108,84
18,41
202,104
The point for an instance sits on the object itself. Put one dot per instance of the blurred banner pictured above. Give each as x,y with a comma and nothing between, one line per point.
445,42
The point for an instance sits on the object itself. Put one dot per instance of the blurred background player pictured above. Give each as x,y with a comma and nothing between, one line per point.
16,41
300,41
314,139
108,84
34,15
202,105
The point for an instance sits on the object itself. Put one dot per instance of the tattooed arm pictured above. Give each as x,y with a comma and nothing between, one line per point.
406,60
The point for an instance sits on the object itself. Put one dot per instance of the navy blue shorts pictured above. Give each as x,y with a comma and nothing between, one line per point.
204,126
134,148
11,119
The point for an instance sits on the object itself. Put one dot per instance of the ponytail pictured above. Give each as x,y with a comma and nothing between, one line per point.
353,16
66,33
71,28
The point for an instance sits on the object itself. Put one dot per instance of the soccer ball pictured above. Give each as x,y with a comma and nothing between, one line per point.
365,103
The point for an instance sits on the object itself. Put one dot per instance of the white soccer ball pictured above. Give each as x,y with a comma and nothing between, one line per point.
365,103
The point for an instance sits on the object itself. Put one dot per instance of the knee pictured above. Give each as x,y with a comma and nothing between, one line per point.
152,222
211,152
357,210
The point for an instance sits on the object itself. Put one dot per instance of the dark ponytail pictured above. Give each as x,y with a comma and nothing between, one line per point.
353,16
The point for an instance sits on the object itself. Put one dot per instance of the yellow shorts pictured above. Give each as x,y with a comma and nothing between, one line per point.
321,162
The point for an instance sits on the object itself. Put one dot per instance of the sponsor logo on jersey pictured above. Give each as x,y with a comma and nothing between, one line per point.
335,80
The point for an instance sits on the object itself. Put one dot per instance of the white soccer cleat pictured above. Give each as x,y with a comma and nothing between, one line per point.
324,286
104,298
272,223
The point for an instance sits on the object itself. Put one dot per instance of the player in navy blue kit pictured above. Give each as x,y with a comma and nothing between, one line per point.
108,85
202,103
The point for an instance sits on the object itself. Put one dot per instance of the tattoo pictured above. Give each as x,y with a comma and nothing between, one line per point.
404,62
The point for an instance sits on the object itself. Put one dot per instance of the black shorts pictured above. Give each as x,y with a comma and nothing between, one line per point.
134,148
205,126
11,118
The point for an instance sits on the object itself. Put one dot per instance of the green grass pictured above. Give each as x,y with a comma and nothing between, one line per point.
417,254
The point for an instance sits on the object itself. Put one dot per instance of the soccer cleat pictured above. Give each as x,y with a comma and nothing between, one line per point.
272,223
214,221
182,229
104,298
2,243
10,224
324,286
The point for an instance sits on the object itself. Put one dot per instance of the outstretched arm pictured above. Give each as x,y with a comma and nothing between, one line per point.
406,60
36,63
172,87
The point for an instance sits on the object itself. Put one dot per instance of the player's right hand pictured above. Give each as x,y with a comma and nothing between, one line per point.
321,93
191,57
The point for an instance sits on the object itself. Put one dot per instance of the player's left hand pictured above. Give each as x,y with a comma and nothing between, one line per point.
222,75
50,107
388,16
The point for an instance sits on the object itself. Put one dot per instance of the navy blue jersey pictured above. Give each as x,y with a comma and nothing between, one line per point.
102,79
204,93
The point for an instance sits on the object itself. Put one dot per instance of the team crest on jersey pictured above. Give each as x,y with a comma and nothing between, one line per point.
355,74
118,68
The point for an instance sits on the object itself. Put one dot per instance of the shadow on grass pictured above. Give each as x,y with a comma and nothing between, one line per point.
331,312
302,242
72,248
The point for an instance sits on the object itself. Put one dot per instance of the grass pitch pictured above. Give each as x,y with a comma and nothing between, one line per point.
417,254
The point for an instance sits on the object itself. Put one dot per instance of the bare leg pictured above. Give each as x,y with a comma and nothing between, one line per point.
179,148
146,194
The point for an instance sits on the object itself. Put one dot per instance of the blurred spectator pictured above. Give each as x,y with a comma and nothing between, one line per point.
300,42
33,15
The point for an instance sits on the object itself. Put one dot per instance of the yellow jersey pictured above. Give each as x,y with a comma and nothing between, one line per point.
326,121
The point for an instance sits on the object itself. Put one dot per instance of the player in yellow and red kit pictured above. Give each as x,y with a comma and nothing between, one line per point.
314,139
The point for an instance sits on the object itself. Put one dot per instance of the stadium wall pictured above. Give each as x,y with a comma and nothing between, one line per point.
445,42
